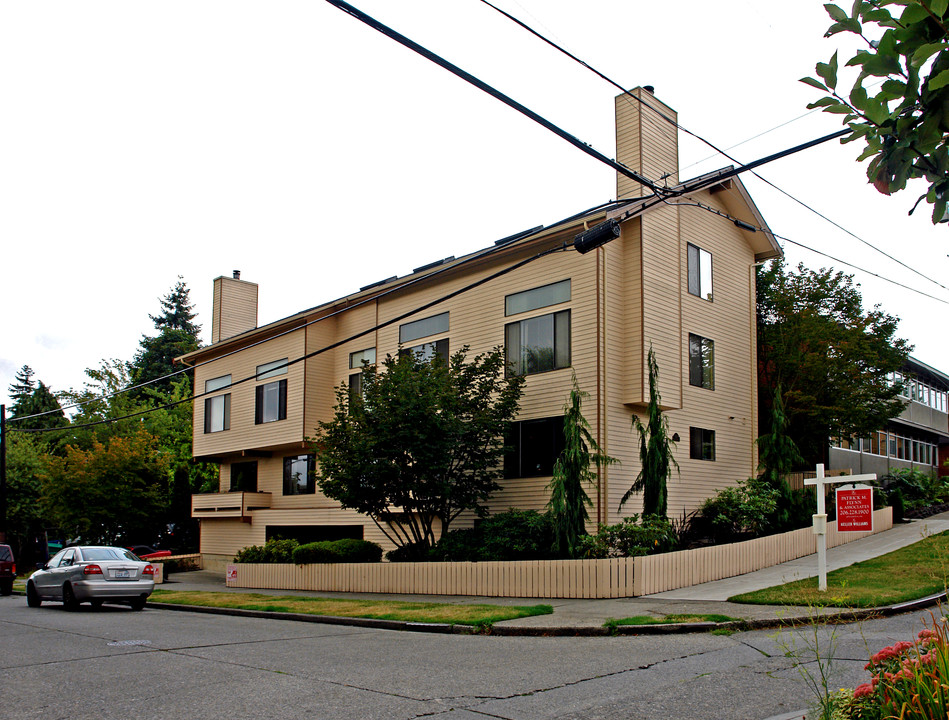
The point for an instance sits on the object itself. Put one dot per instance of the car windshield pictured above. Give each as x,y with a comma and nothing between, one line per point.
107,553
5,554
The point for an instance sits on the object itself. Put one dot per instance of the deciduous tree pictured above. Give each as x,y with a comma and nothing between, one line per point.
422,442
831,357
902,117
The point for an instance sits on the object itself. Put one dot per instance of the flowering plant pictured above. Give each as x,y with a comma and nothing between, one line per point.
907,680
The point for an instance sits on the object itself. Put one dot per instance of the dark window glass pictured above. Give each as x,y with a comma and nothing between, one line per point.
701,444
537,298
435,325
298,475
538,344
271,402
533,447
244,476
701,362
355,385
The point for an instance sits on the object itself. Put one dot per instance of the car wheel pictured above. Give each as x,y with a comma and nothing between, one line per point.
138,603
69,598
6,587
32,597
96,604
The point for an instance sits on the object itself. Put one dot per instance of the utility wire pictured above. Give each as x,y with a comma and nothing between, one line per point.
332,346
716,211
675,123
510,102
373,298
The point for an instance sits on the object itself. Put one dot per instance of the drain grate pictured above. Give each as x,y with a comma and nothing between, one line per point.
126,643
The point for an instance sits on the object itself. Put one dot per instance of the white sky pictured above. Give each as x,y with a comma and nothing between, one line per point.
142,141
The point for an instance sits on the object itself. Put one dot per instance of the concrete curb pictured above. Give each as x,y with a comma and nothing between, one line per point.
841,615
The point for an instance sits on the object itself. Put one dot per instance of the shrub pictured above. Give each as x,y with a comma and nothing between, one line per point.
511,535
918,489
745,510
274,551
632,537
347,550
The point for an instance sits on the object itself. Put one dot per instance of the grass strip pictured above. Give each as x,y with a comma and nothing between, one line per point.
422,612
672,619
910,573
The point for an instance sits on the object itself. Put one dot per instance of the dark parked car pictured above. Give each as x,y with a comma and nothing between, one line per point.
149,553
7,570
92,574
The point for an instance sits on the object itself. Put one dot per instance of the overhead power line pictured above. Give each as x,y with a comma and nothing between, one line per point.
628,95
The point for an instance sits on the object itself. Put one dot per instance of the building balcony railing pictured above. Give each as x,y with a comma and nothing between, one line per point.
228,504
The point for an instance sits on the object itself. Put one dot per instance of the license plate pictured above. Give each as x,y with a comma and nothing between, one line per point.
121,573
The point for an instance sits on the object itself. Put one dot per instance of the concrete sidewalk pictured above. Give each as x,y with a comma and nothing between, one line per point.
584,616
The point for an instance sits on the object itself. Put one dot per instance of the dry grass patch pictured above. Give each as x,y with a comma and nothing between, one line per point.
424,612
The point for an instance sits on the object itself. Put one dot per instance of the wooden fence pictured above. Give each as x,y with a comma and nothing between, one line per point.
616,577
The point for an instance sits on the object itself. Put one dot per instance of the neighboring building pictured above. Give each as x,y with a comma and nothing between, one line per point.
918,438
679,278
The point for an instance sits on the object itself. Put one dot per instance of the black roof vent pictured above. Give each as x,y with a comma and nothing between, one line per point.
518,236
434,264
377,284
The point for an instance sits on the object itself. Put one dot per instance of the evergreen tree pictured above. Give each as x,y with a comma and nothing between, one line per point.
21,389
568,499
655,450
177,335
777,456
34,397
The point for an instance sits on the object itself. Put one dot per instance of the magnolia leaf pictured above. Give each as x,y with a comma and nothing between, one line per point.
938,82
913,14
894,88
938,7
835,12
858,97
814,83
823,102
924,52
828,72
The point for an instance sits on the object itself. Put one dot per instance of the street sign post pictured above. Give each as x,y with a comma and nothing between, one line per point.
820,519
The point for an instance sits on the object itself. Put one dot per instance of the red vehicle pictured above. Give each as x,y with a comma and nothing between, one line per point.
148,553
7,570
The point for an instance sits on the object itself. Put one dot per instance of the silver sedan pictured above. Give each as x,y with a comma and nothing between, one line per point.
92,574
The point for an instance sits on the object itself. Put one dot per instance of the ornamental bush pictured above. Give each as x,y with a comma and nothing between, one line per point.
347,550
630,538
274,551
748,509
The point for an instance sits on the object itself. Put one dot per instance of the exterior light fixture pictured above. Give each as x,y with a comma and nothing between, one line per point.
596,236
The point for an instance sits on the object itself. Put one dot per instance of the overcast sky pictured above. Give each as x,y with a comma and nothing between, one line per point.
143,141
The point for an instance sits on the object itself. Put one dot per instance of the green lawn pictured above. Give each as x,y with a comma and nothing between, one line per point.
668,619
423,612
909,573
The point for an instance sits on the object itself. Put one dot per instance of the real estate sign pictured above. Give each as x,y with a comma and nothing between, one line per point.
855,509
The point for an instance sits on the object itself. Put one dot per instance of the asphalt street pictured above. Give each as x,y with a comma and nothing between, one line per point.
120,664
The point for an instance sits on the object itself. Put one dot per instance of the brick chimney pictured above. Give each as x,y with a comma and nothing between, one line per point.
234,308
645,141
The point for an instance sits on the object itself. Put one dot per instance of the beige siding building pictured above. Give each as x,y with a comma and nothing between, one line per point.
679,278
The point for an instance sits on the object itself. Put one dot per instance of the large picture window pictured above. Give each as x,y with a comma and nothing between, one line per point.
701,362
700,272
538,344
533,447
271,402
217,410
299,475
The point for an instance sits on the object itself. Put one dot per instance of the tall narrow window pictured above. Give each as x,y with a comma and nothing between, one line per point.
701,362
701,444
217,409
538,344
298,475
700,272
271,402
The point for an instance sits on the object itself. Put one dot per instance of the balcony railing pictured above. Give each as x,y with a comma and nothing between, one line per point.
228,504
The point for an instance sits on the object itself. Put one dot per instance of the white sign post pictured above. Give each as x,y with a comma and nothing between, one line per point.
820,519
